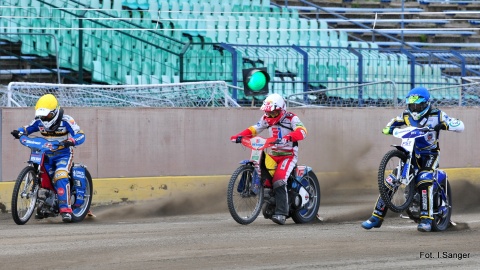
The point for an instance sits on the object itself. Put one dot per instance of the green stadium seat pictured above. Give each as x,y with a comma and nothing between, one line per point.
97,72
107,4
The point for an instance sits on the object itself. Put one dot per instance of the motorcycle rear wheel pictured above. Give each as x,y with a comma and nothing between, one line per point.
442,221
310,210
79,213
243,204
400,196
24,196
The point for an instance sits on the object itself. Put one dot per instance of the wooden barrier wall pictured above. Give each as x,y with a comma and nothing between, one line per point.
139,142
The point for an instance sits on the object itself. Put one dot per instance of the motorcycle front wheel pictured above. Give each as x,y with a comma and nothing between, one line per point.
24,196
310,209
244,205
396,196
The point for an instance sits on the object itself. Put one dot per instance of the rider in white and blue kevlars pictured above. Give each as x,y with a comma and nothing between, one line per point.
56,126
419,113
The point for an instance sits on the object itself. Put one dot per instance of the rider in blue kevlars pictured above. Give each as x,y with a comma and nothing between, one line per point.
56,126
419,113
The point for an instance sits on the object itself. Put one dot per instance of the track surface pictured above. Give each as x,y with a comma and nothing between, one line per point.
197,232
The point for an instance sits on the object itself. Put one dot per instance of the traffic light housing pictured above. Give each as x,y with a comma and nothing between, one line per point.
255,81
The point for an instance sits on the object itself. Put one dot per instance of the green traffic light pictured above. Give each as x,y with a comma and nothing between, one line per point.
257,81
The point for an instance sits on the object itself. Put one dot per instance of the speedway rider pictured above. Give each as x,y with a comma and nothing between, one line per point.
419,113
288,129
56,126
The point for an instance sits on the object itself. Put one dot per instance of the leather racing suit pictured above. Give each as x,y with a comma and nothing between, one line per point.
426,151
291,130
59,162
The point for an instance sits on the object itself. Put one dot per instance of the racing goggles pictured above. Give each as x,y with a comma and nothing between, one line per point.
272,114
47,117
417,107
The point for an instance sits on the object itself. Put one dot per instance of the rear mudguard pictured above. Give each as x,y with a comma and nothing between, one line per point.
301,171
78,176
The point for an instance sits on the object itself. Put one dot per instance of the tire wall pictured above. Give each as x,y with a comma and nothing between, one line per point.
141,142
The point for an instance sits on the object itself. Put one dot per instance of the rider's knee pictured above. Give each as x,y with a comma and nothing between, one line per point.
279,183
59,175
424,178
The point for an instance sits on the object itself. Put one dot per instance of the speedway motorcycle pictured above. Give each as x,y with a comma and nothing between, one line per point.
247,194
34,188
396,183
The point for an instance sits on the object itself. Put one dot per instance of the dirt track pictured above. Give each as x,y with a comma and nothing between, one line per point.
196,231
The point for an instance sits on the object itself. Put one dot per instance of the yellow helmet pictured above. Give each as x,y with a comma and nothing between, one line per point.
49,112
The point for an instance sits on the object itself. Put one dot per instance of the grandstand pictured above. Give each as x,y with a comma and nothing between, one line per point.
305,45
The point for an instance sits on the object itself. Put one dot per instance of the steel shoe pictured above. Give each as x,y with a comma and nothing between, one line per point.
67,217
279,219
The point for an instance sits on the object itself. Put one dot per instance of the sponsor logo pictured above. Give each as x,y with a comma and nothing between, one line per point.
300,170
60,191
424,200
389,180
284,164
407,143
62,162
35,159
60,175
454,123
78,174
32,142
257,143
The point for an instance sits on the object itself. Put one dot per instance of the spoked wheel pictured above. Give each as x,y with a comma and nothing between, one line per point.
396,196
244,205
24,196
442,208
80,212
310,210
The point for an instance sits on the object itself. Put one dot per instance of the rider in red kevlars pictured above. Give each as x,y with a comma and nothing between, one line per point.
419,113
288,128
56,126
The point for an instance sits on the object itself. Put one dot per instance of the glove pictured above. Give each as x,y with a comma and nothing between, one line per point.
16,134
236,138
67,143
386,131
441,126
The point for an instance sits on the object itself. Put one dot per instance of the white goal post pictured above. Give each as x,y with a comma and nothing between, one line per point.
195,94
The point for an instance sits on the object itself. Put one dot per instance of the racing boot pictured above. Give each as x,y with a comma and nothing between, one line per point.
62,185
376,220
426,214
425,225
281,204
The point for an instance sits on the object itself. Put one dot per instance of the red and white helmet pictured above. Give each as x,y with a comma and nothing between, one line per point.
274,108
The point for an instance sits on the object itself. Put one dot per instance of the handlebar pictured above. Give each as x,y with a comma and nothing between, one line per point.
39,143
256,143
